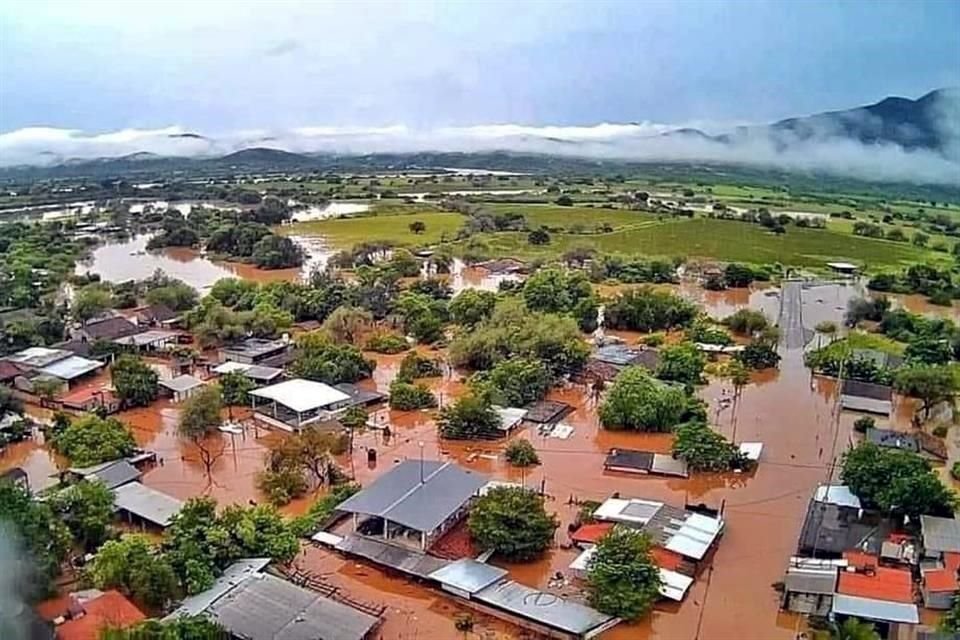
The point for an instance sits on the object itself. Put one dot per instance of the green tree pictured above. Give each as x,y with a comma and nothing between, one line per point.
199,420
746,321
759,354
555,290
928,350
134,566
895,481
515,382
277,252
92,440
520,453
134,381
738,275
472,306
930,383
639,402
87,510
406,396
321,359
235,387
470,417
622,578
90,301
703,449
347,324
649,309
681,362
417,227
43,535
853,629
181,628
176,295
513,522
414,366
950,622
539,237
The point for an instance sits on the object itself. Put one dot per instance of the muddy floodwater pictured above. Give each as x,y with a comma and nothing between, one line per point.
129,260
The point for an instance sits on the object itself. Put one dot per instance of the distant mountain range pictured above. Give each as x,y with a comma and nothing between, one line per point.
929,125
931,122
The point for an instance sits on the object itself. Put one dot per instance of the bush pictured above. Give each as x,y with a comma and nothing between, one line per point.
513,522
622,577
639,402
321,510
387,343
520,453
653,340
470,417
759,355
746,321
414,366
703,449
647,309
515,382
92,440
283,485
405,396
863,423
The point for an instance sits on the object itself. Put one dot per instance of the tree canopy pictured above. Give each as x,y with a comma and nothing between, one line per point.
513,522
638,401
622,578
42,533
470,417
681,362
472,306
647,309
895,481
930,383
703,449
134,381
321,359
87,510
515,382
132,565
91,440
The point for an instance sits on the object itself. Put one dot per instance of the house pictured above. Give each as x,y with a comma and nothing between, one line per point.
41,363
251,604
254,350
148,507
108,329
892,439
297,403
181,387
92,399
112,474
587,535
609,360
155,315
834,523
866,397
149,340
547,411
258,373
809,585
645,462
872,592
360,397
86,614
843,268
415,502
939,584
939,537
510,417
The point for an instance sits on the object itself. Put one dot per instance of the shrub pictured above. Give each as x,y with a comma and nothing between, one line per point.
513,522
405,396
414,366
387,343
863,423
746,321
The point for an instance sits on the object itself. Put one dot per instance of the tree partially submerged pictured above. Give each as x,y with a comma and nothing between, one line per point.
622,578
639,402
703,449
199,420
134,381
471,417
520,453
132,565
92,440
513,522
514,382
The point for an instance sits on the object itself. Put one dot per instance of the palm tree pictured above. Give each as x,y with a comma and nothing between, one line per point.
853,629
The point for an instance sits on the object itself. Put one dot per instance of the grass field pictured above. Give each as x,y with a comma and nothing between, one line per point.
550,215
346,232
722,240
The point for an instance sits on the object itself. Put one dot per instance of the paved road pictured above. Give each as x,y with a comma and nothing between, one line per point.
790,322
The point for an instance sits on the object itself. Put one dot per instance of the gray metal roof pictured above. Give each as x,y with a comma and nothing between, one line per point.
146,503
265,374
866,405
940,534
893,439
231,577
36,357
801,581
545,608
255,347
358,395
181,383
71,367
468,575
112,474
405,559
264,607
872,609
401,497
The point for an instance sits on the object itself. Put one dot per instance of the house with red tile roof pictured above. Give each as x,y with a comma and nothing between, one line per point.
87,614
940,585
873,592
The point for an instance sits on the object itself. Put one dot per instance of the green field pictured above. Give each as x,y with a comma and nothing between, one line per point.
346,232
723,240
551,215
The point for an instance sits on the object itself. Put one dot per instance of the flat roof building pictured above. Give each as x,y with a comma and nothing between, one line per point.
297,403
254,350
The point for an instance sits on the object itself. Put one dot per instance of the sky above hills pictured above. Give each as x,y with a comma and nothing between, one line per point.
226,67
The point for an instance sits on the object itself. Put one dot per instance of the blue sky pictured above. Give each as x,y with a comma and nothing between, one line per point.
227,66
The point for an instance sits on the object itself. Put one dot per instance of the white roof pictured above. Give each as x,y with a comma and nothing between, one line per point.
719,348
634,510
673,585
837,494
71,367
146,337
230,366
751,450
181,383
580,562
872,609
509,416
842,265
694,535
301,395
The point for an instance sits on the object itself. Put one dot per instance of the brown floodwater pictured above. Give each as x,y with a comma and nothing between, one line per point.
918,303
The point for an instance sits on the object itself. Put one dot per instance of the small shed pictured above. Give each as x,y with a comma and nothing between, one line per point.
547,411
112,474
866,397
181,387
510,417
645,462
893,439
843,268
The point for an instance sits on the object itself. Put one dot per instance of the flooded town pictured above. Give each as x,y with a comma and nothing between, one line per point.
434,321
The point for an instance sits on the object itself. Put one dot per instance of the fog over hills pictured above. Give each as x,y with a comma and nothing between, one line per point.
894,139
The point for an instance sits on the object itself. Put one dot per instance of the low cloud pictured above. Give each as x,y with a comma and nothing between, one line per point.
818,147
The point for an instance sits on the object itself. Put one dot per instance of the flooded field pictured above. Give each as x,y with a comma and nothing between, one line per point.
329,210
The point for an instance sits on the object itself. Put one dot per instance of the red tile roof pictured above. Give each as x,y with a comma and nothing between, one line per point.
951,560
111,610
860,559
666,559
591,533
894,585
941,580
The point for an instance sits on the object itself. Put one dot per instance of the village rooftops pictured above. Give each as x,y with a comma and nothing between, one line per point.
633,461
71,368
109,328
468,576
146,503
233,575
940,535
837,494
301,395
110,610
255,372
893,439
56,363
419,500
112,474
621,355
38,357
147,338
181,384
684,532
253,350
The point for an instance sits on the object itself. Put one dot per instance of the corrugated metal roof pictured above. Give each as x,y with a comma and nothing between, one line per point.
71,367
112,474
694,535
509,417
821,581
673,585
870,390
231,577
401,497
468,575
146,503
866,405
871,609
669,466
837,494
181,383
546,608
940,534
38,356
264,607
